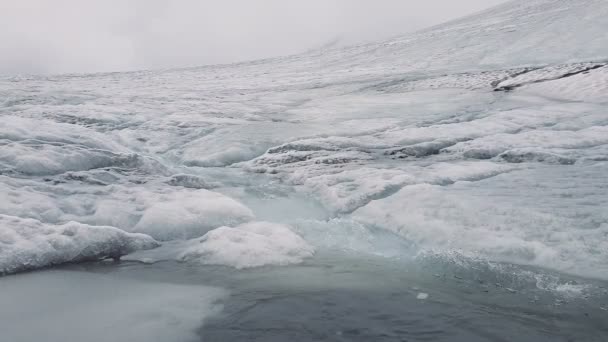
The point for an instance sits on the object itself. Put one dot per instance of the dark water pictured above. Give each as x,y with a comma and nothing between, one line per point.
358,315
356,299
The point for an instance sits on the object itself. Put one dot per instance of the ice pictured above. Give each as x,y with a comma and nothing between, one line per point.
528,76
422,296
590,86
572,143
249,245
484,136
189,214
162,211
82,306
560,231
24,129
191,181
39,159
27,244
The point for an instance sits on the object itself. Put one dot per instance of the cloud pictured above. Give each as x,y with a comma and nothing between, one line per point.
41,36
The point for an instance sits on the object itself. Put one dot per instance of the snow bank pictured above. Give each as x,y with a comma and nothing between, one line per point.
29,244
249,245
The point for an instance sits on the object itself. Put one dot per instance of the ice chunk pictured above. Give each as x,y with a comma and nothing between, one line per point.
249,245
29,244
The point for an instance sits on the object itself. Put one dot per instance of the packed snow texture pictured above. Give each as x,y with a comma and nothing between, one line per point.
485,135
249,245
190,214
83,306
27,244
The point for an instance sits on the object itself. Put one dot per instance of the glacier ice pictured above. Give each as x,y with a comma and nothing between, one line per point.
27,244
249,245
590,86
189,214
562,232
485,135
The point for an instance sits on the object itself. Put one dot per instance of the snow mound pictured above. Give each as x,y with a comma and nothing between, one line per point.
27,244
249,245
186,215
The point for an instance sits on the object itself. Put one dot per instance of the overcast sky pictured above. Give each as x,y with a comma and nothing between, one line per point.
57,36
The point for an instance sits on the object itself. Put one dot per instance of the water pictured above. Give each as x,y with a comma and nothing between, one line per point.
332,297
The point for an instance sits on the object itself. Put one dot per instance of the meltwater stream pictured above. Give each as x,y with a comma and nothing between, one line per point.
331,297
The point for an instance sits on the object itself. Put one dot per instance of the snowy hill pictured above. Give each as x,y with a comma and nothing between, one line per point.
518,33
485,136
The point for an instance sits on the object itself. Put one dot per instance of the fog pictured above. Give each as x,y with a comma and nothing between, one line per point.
60,36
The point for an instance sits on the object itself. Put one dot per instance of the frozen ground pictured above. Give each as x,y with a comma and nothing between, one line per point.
480,144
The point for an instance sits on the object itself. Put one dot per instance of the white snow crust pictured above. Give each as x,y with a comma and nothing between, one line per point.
27,244
249,245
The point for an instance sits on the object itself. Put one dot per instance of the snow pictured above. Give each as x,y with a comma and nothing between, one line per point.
249,245
590,86
27,244
499,218
485,135
189,214
165,212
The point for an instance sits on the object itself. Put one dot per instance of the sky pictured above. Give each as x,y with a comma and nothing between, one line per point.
77,36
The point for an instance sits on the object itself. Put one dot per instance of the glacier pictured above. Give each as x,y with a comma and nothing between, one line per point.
472,110
475,150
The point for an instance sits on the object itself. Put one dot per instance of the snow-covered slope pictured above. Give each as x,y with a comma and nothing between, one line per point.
487,136
513,34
